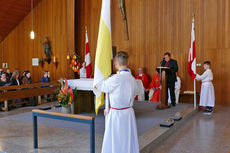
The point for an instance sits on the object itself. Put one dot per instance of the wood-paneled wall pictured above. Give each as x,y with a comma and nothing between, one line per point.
52,18
157,26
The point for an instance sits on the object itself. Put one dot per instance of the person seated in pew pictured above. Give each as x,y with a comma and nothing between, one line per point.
27,78
15,79
23,75
1,71
45,78
154,88
8,74
145,80
3,80
26,81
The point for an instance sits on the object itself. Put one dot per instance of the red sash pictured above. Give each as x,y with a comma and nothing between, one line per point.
119,108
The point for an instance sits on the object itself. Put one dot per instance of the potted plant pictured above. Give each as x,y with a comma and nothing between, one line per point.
66,96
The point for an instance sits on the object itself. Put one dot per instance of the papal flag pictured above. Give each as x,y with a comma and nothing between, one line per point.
103,52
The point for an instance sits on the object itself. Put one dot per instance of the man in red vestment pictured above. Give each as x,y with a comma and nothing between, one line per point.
145,80
154,88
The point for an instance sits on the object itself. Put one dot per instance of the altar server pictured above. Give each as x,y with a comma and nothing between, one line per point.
120,133
145,80
154,87
83,70
207,95
177,90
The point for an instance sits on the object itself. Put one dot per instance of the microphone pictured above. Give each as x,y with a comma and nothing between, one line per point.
162,61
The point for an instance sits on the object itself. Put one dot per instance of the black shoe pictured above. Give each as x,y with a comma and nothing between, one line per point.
173,105
208,112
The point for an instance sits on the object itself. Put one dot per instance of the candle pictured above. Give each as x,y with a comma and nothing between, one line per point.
54,60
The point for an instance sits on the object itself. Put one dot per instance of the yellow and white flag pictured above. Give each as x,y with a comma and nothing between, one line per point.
103,52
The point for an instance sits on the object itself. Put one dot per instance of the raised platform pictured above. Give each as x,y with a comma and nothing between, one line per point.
148,119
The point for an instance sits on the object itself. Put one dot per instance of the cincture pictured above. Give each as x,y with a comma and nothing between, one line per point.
119,108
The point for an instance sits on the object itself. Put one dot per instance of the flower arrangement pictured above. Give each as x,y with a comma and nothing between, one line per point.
41,61
66,94
74,64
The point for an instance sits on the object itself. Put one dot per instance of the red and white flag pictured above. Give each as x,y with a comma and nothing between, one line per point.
192,55
87,57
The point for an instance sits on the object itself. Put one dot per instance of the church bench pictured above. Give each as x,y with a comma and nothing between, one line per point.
27,91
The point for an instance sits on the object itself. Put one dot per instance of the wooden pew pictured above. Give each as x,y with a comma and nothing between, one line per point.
27,91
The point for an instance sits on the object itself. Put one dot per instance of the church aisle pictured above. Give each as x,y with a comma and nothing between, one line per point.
201,134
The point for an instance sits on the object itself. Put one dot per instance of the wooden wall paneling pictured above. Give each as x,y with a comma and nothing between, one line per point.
156,26
55,19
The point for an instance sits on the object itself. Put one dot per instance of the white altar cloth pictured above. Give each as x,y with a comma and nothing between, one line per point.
87,85
81,84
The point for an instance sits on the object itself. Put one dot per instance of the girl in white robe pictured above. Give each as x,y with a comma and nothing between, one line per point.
207,95
120,130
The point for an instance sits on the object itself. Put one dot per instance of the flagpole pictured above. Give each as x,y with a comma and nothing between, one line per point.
194,93
106,106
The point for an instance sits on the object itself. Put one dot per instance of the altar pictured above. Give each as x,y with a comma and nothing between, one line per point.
84,101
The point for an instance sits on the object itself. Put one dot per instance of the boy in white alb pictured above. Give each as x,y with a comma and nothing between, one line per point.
83,70
177,90
207,95
121,132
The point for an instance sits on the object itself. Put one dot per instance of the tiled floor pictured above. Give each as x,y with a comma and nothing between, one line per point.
201,134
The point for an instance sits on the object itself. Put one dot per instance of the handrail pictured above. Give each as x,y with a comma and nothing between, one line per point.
67,117
64,114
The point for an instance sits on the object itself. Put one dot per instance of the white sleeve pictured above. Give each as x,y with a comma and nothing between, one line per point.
178,83
108,85
202,77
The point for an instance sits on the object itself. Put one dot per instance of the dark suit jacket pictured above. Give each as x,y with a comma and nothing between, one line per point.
171,76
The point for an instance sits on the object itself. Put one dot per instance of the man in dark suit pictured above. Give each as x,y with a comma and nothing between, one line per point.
171,76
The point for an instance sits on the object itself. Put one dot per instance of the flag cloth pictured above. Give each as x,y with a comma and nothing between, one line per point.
192,55
103,52
87,57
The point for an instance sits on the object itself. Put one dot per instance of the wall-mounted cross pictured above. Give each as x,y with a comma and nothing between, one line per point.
124,18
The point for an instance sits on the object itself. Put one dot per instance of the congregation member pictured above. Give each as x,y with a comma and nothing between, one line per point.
45,78
145,80
121,132
207,95
155,87
27,78
83,70
23,75
1,71
8,74
15,79
4,81
171,76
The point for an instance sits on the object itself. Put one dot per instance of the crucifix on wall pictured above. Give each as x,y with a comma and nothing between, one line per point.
124,18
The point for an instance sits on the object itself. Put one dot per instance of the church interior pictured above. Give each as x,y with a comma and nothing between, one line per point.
55,54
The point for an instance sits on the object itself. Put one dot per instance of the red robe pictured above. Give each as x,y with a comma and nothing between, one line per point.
144,78
155,83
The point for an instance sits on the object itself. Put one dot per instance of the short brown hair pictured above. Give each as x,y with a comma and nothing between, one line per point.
207,63
122,58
